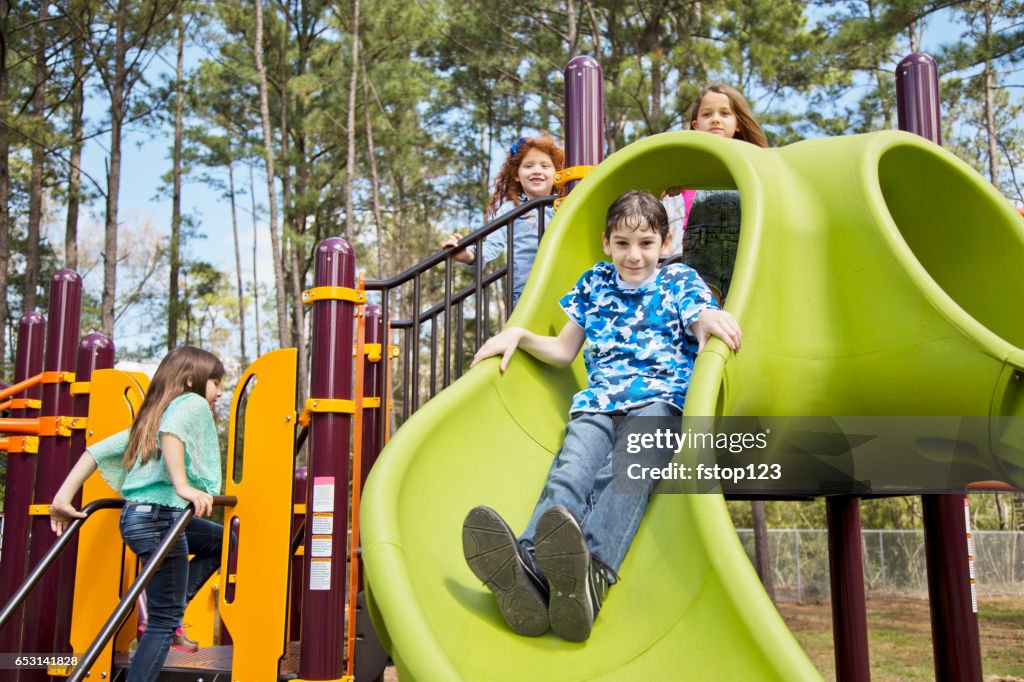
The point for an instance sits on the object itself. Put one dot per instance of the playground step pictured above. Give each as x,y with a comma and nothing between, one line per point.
210,664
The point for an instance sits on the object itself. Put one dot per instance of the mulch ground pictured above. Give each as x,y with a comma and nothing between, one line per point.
899,636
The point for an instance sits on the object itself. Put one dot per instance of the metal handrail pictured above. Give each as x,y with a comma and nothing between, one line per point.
471,239
127,601
52,554
451,305
458,297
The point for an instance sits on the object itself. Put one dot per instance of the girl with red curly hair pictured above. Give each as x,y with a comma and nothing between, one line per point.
528,173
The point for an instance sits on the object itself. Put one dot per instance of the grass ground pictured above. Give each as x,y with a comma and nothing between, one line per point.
899,637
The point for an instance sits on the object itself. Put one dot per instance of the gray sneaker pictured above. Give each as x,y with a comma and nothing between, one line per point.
578,582
507,570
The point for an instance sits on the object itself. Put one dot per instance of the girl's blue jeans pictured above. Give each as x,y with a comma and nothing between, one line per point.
143,526
580,479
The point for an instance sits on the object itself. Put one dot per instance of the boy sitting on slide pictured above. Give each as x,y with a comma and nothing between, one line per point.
643,327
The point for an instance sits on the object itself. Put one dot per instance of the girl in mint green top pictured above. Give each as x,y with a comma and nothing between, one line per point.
168,459
189,419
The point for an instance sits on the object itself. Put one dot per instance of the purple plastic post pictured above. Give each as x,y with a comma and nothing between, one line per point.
54,462
917,96
95,351
584,113
373,387
846,570
295,588
21,473
231,569
956,646
324,562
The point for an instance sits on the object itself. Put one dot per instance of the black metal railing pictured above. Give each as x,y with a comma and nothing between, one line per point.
53,554
431,312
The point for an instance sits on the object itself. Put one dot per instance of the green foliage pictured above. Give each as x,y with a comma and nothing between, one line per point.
450,83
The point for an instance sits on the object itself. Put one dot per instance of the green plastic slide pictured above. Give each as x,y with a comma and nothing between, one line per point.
877,275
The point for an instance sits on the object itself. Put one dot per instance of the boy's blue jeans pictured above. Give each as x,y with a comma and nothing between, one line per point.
580,479
143,526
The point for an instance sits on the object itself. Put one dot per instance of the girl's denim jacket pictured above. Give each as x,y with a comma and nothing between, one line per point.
524,237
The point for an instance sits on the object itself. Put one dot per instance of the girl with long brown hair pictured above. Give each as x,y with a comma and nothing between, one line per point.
711,228
528,173
167,460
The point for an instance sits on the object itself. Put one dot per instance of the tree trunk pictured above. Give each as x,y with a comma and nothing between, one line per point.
299,314
114,174
656,89
35,197
570,11
378,222
238,254
187,311
485,159
351,163
75,164
762,560
5,181
880,80
595,28
287,210
268,153
175,247
255,263
990,100
293,225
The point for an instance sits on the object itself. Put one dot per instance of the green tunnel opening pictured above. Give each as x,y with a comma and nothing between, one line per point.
969,244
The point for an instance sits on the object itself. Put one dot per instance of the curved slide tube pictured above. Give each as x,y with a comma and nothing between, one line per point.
877,275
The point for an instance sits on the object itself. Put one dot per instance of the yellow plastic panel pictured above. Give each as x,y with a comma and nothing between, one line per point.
257,615
114,399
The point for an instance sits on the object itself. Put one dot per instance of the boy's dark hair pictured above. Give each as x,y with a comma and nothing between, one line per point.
636,209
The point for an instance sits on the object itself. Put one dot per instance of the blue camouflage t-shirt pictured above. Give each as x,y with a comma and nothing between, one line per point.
638,348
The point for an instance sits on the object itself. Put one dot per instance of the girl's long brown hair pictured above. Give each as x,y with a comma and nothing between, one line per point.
747,127
507,186
170,381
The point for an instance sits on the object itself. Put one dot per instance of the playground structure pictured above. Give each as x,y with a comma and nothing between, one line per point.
288,574
82,588
888,288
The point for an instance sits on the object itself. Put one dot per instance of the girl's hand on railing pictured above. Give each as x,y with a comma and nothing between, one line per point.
202,501
462,255
62,512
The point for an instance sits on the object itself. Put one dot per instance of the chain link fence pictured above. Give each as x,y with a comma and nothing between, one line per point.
894,561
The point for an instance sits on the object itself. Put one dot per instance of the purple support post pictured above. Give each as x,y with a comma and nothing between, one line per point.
374,374
54,463
232,569
846,570
956,646
584,113
297,582
917,96
21,473
96,351
323,599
